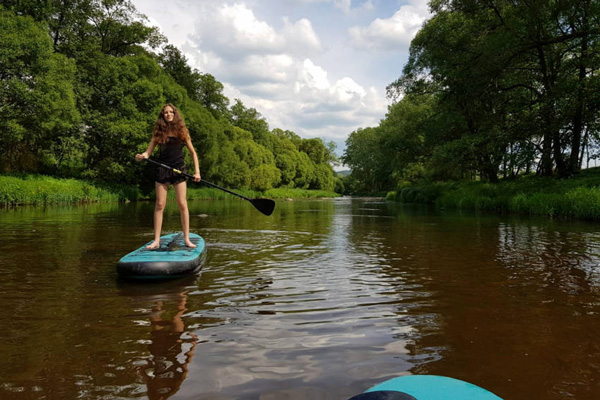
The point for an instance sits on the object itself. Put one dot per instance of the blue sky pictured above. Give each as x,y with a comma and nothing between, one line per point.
315,67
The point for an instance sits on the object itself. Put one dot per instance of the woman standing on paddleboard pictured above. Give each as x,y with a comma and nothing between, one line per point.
171,135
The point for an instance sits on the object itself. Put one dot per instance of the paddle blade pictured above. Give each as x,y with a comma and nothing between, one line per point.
265,206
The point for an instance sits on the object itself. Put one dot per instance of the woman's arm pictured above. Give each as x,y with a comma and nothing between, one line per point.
190,147
146,154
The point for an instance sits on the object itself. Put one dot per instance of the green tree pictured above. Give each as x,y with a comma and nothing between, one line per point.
252,121
371,172
408,137
515,75
305,171
203,88
265,177
207,134
116,28
317,151
324,177
232,172
36,97
111,26
210,95
175,64
81,89
292,137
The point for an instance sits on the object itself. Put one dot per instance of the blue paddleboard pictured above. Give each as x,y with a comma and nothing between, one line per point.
425,387
171,260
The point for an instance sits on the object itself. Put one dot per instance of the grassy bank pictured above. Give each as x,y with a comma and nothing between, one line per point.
39,189
195,193
577,197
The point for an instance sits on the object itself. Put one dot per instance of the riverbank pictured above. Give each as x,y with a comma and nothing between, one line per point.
41,190
577,197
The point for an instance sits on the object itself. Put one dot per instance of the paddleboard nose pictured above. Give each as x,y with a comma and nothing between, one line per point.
384,395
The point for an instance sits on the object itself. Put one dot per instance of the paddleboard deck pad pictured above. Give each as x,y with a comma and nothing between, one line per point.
425,387
173,259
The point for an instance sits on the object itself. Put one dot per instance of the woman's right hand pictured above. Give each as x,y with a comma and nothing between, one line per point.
140,157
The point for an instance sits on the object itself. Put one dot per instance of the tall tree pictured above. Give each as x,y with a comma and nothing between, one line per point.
210,95
363,154
513,72
174,62
36,96
251,120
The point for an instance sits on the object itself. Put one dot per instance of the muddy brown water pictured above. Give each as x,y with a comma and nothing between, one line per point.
321,300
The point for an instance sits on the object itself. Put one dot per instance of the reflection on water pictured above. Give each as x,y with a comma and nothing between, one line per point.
567,261
319,301
171,349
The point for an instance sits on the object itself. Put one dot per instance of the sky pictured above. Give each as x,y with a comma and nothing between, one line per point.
316,67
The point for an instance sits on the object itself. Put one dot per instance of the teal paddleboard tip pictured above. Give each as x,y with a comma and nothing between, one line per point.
426,387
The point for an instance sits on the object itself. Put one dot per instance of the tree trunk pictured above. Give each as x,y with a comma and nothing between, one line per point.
545,168
578,118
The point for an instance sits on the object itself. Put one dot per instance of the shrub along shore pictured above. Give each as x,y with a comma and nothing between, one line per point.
43,190
576,197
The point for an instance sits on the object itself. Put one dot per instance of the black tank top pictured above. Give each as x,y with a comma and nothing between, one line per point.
171,152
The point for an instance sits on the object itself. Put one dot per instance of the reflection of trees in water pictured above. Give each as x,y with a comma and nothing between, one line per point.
171,348
490,300
561,260
555,279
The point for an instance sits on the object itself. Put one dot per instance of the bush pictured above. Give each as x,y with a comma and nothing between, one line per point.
577,197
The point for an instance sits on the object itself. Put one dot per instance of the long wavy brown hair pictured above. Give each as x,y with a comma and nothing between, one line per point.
163,128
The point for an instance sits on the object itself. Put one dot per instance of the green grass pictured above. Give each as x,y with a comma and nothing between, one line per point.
298,193
212,194
39,189
577,197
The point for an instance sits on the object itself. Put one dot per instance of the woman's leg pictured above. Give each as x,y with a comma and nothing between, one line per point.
180,195
159,208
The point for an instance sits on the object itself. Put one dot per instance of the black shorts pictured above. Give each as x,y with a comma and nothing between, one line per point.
164,175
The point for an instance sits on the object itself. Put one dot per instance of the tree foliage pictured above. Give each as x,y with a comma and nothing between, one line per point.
37,94
82,82
491,89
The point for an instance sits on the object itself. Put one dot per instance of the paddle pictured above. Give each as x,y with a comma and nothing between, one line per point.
265,206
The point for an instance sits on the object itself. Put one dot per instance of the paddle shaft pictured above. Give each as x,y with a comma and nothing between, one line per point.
265,206
151,161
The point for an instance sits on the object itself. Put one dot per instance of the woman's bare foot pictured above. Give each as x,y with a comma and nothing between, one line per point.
154,245
189,244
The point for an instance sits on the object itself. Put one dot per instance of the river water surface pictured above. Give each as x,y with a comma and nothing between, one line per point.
321,300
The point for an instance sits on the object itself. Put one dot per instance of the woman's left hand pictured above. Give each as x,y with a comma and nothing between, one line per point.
197,177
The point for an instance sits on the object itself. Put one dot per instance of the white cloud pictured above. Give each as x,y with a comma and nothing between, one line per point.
243,30
311,105
233,32
311,76
344,5
300,37
276,61
272,71
394,32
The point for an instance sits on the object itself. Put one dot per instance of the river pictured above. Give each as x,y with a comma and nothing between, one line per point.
321,300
